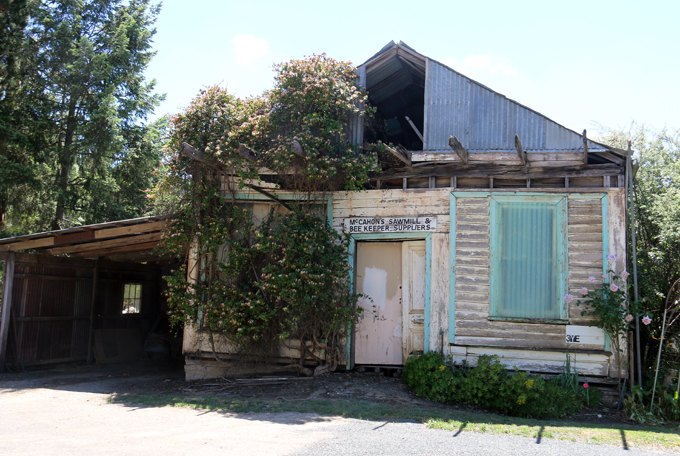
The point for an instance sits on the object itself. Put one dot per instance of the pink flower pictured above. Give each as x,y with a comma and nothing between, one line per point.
592,278
613,287
585,385
625,275
629,318
646,320
604,276
568,297
584,291
611,257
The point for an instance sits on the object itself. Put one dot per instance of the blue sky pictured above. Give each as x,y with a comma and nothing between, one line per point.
578,62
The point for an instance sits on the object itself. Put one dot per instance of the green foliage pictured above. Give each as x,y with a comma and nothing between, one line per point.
73,110
490,386
666,409
657,217
287,278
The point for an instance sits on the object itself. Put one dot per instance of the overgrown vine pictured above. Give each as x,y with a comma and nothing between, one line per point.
260,282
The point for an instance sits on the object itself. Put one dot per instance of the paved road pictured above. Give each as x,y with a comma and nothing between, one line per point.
73,418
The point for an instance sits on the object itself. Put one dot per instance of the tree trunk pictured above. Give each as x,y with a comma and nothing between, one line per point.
65,163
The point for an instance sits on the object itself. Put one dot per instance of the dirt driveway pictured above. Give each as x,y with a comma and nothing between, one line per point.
67,412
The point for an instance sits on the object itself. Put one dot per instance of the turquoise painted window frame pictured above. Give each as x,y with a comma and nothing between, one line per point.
560,202
396,237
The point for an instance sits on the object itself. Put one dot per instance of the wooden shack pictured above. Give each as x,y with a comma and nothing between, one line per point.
469,245
102,302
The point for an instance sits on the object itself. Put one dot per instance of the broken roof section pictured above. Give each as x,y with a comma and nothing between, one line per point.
124,240
440,102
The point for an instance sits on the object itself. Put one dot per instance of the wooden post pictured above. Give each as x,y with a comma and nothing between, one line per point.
6,308
405,183
458,148
90,339
566,182
585,148
521,153
454,181
433,182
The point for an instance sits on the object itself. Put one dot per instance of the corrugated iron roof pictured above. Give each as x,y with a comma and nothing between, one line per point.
481,118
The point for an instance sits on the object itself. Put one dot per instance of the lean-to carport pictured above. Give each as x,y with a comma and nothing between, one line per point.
101,301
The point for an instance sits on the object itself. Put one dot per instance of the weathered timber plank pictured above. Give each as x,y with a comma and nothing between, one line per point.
585,256
590,237
471,288
473,228
470,209
463,201
585,220
467,244
478,262
472,218
500,342
473,280
574,203
477,236
491,169
430,200
28,244
586,229
507,327
479,307
585,246
439,291
479,298
585,264
132,229
465,314
139,239
585,210
484,253
472,271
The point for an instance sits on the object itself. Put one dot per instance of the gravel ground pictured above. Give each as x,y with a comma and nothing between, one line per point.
66,413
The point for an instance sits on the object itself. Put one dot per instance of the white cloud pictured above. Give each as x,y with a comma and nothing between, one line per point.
449,61
503,68
248,48
474,63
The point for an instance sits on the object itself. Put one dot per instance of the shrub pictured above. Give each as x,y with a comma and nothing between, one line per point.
491,386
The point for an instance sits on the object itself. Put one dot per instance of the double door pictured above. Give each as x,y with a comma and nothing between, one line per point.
392,276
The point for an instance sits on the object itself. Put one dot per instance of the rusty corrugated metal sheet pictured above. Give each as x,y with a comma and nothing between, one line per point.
484,120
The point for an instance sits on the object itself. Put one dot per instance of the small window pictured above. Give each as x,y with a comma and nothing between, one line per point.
132,298
529,264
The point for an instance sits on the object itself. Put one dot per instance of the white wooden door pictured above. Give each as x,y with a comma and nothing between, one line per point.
378,337
413,292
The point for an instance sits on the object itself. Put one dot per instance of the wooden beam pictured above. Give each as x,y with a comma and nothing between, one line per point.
6,308
247,153
520,150
92,246
585,148
72,238
194,153
130,229
485,171
298,150
415,129
29,244
90,338
122,249
269,195
462,152
401,156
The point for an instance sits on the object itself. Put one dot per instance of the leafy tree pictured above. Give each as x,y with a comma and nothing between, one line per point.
657,217
84,131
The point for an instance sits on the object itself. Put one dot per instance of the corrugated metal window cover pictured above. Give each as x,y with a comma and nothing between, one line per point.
527,256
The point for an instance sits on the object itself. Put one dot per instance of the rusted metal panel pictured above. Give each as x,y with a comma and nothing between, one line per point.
378,337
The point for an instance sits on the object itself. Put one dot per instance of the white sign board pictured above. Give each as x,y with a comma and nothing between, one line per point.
390,224
585,335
